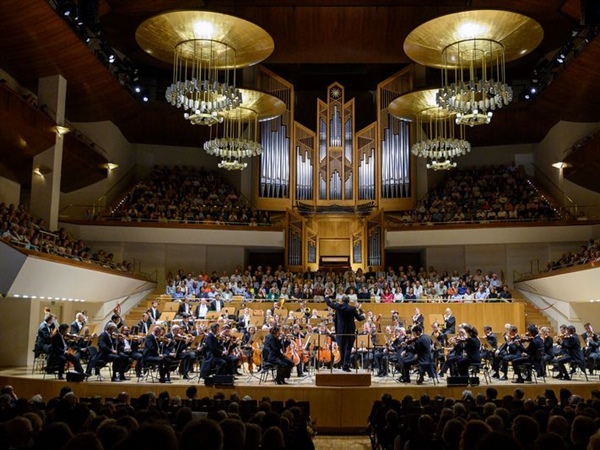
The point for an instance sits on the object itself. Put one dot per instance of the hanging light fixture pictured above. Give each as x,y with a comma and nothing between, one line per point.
436,136
238,136
472,49
205,49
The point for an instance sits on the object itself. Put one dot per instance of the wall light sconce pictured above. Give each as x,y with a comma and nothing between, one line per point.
560,165
110,166
61,131
41,171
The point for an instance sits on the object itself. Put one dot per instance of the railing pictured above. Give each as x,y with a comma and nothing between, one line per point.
89,212
180,221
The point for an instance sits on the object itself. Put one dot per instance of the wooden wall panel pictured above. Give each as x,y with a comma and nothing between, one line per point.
334,247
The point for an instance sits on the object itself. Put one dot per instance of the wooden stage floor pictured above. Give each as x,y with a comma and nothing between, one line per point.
337,409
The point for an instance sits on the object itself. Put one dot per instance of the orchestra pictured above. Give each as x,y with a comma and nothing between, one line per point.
306,338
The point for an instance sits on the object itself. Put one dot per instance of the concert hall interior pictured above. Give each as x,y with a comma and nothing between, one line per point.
429,163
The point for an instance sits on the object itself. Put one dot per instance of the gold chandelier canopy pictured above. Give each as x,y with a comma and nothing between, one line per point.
472,48
205,48
437,138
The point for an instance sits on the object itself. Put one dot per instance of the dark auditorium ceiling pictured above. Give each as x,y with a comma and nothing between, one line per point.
355,42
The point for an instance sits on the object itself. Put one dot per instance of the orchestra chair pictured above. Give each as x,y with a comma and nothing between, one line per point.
51,367
474,369
149,372
429,370
267,369
97,363
39,363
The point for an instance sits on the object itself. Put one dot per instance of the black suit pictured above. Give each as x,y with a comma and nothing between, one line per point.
450,325
421,355
152,355
154,314
273,354
216,305
531,355
215,356
75,327
345,328
59,355
185,308
43,339
108,351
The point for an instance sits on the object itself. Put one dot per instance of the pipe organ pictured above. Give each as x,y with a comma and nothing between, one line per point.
333,179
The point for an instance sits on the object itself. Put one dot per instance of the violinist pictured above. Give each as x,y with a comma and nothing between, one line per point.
489,350
548,344
108,351
439,340
216,352
248,346
471,350
59,352
512,350
592,347
389,354
457,342
130,347
572,353
115,320
187,325
179,349
81,343
531,355
152,355
273,354
420,354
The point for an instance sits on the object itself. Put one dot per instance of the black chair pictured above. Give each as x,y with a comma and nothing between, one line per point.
96,363
267,369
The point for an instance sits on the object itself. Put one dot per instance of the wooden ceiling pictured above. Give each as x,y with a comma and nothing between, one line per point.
355,42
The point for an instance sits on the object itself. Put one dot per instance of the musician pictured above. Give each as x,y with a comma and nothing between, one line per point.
439,340
108,351
59,352
144,325
389,354
185,308
420,354
216,354
418,318
345,328
530,355
216,304
592,347
187,324
201,310
572,353
511,351
492,344
154,313
449,322
244,319
152,354
457,342
78,324
130,347
273,353
43,339
81,344
548,344
179,349
471,350
115,320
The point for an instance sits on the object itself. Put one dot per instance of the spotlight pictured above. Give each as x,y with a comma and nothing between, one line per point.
533,90
145,98
138,89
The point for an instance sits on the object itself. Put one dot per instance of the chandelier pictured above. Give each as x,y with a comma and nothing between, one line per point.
436,138
237,136
472,48
205,49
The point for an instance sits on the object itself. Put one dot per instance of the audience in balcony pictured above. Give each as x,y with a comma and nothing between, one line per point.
588,253
21,229
402,285
187,195
494,193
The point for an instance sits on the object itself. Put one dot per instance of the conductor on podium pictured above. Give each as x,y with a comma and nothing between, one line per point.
344,327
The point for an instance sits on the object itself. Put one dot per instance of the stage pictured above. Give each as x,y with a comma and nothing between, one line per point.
336,409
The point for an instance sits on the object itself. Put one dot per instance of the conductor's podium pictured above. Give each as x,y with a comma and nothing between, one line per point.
340,378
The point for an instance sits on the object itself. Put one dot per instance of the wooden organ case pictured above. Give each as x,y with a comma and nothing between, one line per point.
334,183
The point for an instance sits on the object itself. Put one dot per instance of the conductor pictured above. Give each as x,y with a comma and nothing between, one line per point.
345,328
